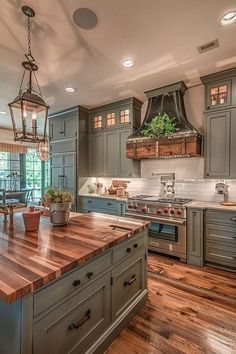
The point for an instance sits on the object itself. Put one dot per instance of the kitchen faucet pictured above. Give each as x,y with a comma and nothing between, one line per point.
168,183
7,210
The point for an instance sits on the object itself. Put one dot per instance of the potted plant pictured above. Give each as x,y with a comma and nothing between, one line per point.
160,125
59,203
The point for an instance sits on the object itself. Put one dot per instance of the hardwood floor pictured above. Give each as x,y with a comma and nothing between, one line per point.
189,310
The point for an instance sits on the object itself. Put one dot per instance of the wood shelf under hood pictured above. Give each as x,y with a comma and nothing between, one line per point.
164,147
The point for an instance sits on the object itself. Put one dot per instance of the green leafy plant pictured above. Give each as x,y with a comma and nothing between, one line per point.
56,195
160,125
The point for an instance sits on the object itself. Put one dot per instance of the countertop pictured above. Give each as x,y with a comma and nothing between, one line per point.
105,196
31,260
209,205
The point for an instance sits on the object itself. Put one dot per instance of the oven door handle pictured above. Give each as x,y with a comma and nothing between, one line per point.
157,220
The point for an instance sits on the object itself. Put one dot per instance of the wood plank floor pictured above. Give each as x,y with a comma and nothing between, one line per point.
189,310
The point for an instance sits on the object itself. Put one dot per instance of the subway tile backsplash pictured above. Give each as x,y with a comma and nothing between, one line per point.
199,189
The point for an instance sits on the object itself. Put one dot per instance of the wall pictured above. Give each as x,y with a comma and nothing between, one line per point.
7,136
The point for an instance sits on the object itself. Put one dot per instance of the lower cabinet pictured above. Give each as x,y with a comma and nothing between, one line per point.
128,282
220,239
195,236
102,205
79,321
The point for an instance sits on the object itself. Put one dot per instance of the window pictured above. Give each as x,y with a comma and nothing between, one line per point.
124,116
97,122
33,178
111,119
10,171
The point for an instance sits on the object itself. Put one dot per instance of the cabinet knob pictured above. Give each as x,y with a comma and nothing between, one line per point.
89,275
128,249
135,245
233,218
208,174
76,283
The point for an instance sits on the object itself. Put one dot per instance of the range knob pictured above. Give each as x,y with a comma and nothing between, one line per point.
172,212
158,211
135,207
130,206
144,209
166,211
178,212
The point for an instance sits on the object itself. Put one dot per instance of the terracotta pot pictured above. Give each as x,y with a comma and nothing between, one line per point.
31,219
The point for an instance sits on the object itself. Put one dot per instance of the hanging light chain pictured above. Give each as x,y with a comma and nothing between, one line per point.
29,36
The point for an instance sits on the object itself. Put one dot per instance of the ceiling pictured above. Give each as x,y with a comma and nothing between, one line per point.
161,36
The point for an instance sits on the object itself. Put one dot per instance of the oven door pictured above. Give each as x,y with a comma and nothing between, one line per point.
165,235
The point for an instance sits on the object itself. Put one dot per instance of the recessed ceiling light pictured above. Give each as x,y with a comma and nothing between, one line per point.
70,89
2,112
127,63
228,18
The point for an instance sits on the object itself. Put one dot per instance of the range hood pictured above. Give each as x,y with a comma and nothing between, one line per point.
168,99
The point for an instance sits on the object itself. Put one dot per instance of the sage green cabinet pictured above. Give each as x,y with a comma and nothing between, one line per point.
220,124
110,126
68,134
71,327
220,144
195,241
220,239
102,205
96,154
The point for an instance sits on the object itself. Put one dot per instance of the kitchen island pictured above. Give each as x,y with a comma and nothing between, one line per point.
70,289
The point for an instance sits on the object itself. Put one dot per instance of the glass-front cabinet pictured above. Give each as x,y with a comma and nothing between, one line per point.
218,94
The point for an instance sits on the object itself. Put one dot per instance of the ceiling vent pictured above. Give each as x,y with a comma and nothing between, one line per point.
208,46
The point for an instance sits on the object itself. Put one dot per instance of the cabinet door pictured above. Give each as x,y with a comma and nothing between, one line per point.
195,237
218,94
96,154
75,325
56,128
125,165
56,170
70,127
128,283
111,154
218,144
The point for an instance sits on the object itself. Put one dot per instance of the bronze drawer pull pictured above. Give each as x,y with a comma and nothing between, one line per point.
76,283
62,132
233,218
135,245
128,249
89,275
84,319
109,203
133,279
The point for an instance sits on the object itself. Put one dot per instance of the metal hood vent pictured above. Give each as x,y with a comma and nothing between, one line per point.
168,99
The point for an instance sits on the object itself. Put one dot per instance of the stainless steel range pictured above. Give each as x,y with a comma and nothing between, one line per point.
167,231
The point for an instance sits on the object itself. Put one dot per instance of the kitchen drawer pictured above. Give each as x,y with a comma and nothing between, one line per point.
97,202
50,295
129,248
128,282
219,254
223,234
77,323
221,217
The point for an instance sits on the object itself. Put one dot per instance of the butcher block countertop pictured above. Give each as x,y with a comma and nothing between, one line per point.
31,260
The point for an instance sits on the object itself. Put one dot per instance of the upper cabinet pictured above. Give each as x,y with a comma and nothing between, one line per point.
220,89
220,124
115,115
110,126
